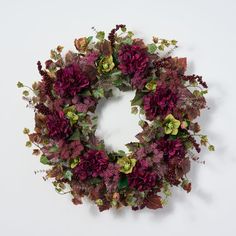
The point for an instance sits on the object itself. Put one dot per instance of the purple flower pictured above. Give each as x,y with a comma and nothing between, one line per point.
171,148
64,150
70,150
142,178
133,61
162,102
92,164
83,104
90,58
58,125
70,81
111,176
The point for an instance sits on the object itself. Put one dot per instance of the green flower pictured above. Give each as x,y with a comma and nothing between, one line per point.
72,117
171,125
71,114
126,164
106,64
99,202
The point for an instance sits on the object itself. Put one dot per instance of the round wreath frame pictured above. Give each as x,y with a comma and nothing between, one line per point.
167,100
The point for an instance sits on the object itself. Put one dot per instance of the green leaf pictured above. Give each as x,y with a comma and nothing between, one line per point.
152,48
142,123
197,93
44,160
211,148
89,39
156,124
53,149
151,86
68,175
204,92
100,146
75,136
95,181
134,110
85,93
26,131
116,74
100,35
174,42
121,153
137,100
28,144
130,34
128,41
132,146
108,93
74,163
123,182
123,29
54,55
98,93
204,140
117,82
161,47
20,85
25,93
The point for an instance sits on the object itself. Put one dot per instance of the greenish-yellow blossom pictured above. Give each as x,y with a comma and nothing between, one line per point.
126,164
99,202
106,64
171,125
72,116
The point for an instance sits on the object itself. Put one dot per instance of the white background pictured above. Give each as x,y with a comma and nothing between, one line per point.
207,36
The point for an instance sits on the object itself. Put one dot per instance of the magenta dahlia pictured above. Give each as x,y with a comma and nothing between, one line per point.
70,81
58,126
161,102
142,178
92,164
133,61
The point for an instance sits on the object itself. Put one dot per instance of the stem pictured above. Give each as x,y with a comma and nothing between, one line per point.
170,51
37,146
29,88
192,86
62,193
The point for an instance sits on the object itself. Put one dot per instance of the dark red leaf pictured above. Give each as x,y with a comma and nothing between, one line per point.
153,202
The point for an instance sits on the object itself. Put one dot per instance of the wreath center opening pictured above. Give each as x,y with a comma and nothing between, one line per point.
116,125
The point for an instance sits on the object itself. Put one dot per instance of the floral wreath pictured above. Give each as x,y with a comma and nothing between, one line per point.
166,99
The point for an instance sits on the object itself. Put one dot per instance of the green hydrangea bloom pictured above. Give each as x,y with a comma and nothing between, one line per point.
126,164
106,64
72,117
171,125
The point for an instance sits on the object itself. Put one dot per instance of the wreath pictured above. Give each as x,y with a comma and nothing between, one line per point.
167,100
